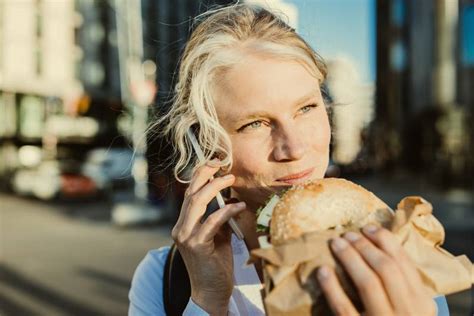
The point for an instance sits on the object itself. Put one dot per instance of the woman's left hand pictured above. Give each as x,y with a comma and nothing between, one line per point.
387,281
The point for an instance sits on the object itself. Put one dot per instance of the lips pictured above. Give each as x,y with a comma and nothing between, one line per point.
296,177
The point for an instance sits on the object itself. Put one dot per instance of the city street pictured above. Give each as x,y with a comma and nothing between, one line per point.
67,259
61,259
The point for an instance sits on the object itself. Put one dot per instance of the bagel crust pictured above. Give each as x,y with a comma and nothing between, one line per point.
325,204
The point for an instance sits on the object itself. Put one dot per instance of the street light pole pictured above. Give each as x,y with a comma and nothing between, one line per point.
137,93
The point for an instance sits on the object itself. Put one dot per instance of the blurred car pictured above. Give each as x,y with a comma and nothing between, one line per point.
102,171
77,186
110,168
52,179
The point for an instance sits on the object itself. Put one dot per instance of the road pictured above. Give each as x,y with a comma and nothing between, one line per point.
66,259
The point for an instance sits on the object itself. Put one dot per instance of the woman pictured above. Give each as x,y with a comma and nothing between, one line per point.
253,86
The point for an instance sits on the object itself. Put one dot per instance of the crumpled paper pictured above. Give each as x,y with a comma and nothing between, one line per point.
291,287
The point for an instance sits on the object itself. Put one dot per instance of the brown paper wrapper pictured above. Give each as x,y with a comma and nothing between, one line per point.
291,287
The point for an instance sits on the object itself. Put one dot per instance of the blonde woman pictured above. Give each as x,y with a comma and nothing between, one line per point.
252,87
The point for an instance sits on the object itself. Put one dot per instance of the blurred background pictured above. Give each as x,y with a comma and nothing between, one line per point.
83,191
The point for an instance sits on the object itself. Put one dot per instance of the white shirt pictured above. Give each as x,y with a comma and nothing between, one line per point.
146,293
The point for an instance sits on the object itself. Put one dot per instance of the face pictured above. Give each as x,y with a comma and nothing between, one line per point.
274,113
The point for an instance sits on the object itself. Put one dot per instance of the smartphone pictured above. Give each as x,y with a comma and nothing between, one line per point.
218,201
211,208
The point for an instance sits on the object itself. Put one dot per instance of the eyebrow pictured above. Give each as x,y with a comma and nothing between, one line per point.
257,114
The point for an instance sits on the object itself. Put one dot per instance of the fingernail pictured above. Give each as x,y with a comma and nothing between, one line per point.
228,176
338,244
351,236
370,229
323,273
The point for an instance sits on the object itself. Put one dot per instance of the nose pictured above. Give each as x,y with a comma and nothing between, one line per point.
289,144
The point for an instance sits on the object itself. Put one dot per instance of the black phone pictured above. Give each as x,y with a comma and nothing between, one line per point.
211,208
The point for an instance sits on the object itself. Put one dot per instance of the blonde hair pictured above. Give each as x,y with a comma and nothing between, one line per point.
223,38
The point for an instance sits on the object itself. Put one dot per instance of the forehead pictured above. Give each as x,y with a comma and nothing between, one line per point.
262,84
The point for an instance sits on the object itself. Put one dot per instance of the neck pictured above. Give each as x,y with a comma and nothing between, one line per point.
247,223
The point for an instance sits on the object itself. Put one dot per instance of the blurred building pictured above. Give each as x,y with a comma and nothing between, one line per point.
59,88
62,84
352,109
97,66
36,34
424,95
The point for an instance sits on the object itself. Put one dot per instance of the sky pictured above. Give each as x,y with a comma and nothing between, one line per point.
341,28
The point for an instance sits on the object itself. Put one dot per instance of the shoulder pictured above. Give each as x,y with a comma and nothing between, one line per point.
146,292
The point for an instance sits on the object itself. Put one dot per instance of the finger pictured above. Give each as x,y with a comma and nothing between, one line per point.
337,299
388,243
202,175
199,201
368,284
214,222
393,280
195,206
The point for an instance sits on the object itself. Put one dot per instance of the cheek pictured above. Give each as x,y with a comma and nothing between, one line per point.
324,136
318,140
252,172
249,159
317,133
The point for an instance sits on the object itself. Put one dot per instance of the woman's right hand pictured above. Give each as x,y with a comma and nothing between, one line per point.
205,247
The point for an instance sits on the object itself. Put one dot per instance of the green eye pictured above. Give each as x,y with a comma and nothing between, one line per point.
255,124
308,108
252,125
